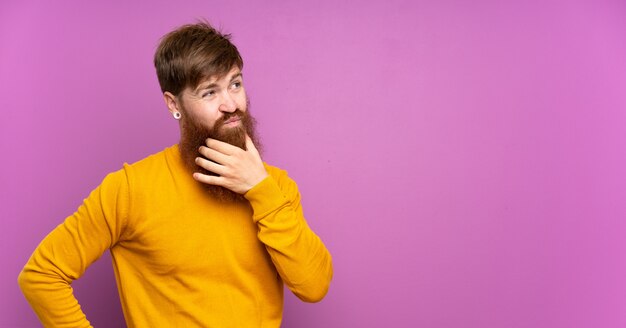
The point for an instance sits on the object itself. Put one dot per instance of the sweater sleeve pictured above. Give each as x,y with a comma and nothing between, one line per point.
69,249
302,260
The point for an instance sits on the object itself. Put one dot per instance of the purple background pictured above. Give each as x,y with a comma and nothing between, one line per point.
464,161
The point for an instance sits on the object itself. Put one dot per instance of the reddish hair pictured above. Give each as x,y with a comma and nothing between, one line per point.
192,54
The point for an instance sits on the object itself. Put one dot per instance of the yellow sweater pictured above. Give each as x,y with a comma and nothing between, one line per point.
180,258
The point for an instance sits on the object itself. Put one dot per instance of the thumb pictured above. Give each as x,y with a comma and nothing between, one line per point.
250,145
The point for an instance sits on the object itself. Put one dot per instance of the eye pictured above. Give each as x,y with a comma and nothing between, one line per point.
208,93
236,85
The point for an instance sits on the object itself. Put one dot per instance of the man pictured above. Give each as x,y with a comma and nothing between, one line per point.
203,233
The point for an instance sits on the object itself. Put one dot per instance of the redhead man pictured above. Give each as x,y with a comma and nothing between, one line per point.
203,233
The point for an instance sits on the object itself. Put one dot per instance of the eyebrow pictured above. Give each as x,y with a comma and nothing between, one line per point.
213,85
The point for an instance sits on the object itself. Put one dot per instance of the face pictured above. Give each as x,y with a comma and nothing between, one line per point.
215,99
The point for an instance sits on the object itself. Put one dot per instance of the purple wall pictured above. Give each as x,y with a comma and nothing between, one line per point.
464,161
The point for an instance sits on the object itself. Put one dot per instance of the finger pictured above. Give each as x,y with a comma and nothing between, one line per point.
222,147
208,179
210,166
213,155
249,144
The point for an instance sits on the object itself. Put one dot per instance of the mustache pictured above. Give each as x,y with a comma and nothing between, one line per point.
227,116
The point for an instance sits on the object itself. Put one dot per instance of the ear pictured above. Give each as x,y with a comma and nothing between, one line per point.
171,102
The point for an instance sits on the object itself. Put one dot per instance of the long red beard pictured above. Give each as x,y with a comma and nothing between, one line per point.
194,135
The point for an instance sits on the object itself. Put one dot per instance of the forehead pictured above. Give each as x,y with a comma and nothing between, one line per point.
220,79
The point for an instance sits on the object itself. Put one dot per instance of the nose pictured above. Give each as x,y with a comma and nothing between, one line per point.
228,103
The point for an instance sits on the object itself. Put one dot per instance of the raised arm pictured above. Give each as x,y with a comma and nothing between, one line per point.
299,255
65,254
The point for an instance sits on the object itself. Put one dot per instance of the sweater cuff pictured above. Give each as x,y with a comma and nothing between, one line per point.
265,198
